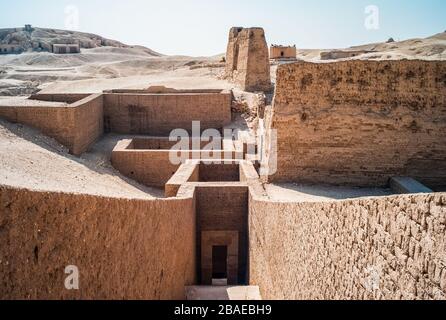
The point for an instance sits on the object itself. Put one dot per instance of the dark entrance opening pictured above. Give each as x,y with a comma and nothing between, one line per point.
219,262
282,53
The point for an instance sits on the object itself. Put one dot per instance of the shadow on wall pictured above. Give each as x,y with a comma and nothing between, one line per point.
376,248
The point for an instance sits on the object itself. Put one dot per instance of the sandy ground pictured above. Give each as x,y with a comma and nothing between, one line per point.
23,101
292,192
31,160
223,293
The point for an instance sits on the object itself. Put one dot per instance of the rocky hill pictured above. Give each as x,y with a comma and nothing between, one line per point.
41,39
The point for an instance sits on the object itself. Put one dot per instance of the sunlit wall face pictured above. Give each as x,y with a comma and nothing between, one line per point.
200,27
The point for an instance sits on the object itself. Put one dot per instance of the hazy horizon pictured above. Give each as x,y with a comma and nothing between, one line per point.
200,28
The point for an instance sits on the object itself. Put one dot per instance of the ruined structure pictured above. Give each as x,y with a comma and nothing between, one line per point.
278,52
383,248
353,123
10,49
247,59
66,48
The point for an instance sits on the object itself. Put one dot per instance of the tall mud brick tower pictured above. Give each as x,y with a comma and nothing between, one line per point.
247,59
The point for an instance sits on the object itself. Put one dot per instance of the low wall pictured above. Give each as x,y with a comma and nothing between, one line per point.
124,249
159,114
148,160
371,248
76,125
361,122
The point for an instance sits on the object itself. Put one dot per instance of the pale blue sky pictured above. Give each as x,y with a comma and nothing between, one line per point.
200,27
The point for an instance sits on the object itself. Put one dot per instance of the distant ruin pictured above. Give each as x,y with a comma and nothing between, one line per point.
247,59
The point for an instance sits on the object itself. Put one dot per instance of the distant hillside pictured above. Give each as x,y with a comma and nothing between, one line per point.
430,48
41,39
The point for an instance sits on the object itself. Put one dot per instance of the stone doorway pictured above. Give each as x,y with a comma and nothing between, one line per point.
219,257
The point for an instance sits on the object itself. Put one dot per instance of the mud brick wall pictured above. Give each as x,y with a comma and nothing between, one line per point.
281,52
159,114
361,122
247,59
76,126
124,249
149,167
148,161
372,248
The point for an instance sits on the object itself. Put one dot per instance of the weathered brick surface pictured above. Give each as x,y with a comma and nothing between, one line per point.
374,248
361,122
77,126
60,97
151,167
282,52
124,249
